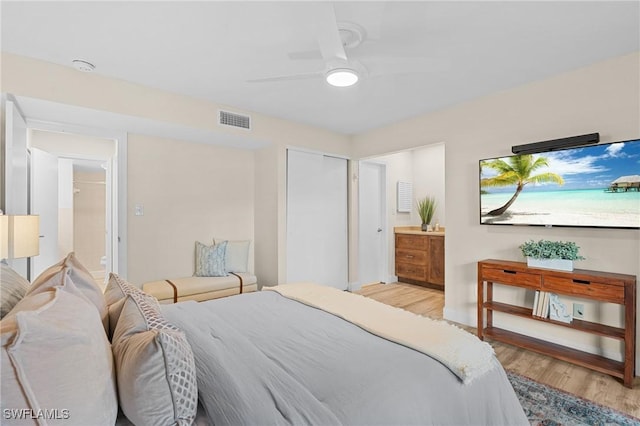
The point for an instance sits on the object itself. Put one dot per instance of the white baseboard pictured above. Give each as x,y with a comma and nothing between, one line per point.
461,317
354,286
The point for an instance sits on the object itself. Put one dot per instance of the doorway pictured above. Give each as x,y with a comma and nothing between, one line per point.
62,119
423,167
71,192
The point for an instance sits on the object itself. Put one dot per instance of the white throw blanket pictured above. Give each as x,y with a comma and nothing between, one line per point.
461,352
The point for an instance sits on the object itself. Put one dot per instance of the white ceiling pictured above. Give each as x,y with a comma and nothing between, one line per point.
210,49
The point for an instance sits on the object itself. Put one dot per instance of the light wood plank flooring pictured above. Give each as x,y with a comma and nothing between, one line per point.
579,381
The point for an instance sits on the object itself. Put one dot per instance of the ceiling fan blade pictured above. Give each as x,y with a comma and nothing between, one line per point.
386,65
305,55
287,77
328,34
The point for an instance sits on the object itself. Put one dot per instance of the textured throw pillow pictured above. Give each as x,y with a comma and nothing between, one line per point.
12,288
116,289
210,260
81,279
115,294
237,256
156,370
56,359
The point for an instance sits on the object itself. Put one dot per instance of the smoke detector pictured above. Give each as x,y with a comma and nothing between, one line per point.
83,66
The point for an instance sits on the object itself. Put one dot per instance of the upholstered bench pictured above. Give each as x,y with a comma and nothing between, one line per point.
201,288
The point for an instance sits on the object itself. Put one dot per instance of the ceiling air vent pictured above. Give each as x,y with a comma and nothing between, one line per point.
234,120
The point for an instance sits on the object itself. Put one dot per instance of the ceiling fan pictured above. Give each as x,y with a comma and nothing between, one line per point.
335,39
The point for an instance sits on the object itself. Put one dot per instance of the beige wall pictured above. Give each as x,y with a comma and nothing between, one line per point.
599,98
33,78
189,192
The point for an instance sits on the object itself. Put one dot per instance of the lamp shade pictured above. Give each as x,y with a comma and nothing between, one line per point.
24,236
4,236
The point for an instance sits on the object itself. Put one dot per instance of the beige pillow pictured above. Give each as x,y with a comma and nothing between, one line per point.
85,285
236,258
12,288
115,294
56,356
156,371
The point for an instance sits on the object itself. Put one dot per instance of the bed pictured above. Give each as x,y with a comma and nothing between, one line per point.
264,358
292,354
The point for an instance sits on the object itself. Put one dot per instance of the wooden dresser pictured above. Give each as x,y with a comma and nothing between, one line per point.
420,258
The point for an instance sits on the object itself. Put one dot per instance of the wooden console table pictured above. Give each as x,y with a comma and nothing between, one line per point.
600,286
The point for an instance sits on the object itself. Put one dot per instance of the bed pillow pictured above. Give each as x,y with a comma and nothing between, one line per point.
116,289
81,279
115,294
210,260
237,256
155,366
12,288
55,355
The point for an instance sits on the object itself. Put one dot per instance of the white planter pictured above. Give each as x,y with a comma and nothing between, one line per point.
558,264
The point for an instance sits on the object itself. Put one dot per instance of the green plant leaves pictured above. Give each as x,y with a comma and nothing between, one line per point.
545,249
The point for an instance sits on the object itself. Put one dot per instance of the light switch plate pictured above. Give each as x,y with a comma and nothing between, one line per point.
139,210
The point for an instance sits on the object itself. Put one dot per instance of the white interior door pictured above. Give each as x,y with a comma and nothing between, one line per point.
372,227
317,248
44,202
15,171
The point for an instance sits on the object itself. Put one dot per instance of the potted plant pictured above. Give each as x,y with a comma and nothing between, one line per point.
426,209
551,254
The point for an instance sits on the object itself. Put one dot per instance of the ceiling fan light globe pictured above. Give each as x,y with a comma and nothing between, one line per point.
342,77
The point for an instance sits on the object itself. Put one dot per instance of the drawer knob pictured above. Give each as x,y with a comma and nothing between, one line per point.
506,271
582,282
409,256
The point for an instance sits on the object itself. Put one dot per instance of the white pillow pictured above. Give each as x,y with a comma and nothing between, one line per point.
237,256
13,287
81,279
156,370
55,356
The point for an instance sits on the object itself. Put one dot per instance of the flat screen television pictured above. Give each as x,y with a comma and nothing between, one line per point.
595,186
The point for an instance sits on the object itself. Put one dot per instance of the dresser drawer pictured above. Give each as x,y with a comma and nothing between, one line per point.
517,278
585,288
414,257
414,242
414,272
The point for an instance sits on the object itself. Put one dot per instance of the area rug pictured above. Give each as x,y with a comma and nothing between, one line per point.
547,406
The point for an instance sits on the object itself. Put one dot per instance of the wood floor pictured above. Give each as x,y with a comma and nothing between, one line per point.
579,381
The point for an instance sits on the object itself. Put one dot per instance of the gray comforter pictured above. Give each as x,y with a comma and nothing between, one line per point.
263,359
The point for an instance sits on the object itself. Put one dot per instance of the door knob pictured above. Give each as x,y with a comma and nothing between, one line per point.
379,229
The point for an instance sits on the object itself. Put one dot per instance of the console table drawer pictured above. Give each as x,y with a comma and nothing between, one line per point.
506,276
415,257
585,288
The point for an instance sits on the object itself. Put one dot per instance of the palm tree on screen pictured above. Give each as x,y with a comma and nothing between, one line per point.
517,170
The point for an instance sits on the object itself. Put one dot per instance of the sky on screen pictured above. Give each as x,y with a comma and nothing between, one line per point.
591,167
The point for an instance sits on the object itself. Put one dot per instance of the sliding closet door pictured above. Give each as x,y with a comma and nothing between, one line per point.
317,219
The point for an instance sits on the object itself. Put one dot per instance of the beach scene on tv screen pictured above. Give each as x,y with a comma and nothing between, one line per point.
597,186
